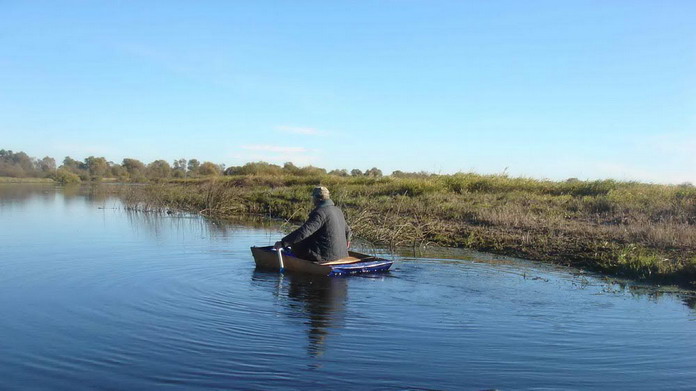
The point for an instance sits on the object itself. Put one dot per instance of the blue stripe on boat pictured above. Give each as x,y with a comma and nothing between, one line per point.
360,267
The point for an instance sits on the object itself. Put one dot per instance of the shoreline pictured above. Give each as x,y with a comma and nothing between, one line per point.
26,180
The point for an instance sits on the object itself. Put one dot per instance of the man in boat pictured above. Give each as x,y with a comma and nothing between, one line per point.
325,236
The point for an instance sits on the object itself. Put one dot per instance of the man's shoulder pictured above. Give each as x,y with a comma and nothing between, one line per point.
328,209
335,212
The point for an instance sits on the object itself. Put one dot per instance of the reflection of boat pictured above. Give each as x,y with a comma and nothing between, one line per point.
267,258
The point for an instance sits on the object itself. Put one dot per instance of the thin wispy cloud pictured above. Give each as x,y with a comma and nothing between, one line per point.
274,148
300,130
665,158
673,143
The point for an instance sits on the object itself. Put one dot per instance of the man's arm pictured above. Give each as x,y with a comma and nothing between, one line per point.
313,223
349,234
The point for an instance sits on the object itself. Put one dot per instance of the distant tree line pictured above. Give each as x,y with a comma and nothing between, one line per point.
93,168
21,165
263,168
133,170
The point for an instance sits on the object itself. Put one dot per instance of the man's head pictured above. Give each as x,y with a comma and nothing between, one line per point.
320,194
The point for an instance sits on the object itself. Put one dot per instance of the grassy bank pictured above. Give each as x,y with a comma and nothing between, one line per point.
25,180
635,230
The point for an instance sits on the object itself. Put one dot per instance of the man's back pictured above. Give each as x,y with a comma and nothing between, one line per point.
323,237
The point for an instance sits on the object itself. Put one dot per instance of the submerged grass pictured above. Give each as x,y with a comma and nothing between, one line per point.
636,230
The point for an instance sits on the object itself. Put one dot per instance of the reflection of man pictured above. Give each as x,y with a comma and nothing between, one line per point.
324,301
325,236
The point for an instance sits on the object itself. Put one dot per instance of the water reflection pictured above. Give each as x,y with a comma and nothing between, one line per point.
46,192
690,301
71,192
21,193
157,224
318,300
653,293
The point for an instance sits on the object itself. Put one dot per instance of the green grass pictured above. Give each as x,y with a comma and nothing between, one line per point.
638,230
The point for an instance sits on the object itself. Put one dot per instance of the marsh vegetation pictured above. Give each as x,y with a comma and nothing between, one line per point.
636,230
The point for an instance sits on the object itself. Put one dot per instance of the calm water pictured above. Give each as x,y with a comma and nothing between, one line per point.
94,297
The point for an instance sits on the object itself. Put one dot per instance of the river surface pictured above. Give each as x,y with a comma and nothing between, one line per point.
96,297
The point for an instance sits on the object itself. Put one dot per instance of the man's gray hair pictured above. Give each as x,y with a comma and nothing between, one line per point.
321,193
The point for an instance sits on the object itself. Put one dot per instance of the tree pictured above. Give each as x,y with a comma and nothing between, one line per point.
76,167
374,172
342,172
209,168
355,172
47,165
72,164
64,177
255,168
97,166
16,164
179,170
311,170
419,174
159,169
118,171
23,160
135,168
193,166
291,168
8,166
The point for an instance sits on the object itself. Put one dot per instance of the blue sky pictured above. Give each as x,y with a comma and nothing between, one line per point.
545,89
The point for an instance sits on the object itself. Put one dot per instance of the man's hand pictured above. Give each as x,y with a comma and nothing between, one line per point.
278,245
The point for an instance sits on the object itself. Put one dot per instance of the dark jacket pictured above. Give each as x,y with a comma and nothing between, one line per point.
323,237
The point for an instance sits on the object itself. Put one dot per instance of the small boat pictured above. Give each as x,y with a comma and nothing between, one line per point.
267,258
